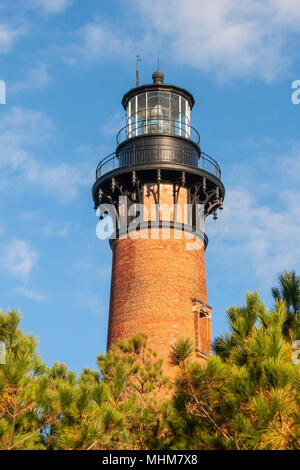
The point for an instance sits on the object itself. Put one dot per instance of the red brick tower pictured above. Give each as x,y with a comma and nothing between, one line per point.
158,187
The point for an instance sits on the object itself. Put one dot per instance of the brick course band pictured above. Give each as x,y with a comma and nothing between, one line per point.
161,224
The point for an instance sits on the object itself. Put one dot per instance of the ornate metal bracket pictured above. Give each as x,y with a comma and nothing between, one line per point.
210,198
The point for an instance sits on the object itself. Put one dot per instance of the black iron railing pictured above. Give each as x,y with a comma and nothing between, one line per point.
107,164
163,154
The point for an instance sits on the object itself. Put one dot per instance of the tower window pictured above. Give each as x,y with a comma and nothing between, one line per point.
202,326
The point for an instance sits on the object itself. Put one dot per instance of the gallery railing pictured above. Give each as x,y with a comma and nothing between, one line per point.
161,154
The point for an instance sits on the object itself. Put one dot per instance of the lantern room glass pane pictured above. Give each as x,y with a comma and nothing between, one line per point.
164,102
141,122
155,113
175,112
174,106
152,100
158,112
142,106
183,106
183,117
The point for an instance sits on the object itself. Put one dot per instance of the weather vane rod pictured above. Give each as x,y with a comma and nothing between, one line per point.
138,59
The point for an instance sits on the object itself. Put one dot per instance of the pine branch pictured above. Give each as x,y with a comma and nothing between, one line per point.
26,438
13,423
92,445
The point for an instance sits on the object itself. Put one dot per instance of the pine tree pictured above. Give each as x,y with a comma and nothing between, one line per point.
289,291
119,407
25,407
247,396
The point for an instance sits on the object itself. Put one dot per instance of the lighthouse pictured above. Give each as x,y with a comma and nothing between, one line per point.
158,187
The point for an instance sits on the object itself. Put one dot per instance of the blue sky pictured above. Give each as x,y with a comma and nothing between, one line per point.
66,65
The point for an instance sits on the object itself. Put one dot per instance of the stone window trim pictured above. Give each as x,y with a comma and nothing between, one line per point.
201,307
201,311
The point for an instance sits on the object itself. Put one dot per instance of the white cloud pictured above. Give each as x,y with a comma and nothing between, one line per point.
53,179
259,228
229,38
35,79
21,127
63,232
18,258
50,6
100,40
31,294
8,36
50,228
22,132
91,303
112,125
102,273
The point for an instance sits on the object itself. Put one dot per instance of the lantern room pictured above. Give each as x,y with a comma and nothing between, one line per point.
157,109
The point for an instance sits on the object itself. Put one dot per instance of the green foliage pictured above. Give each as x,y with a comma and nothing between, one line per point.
247,395
117,407
181,351
288,291
23,388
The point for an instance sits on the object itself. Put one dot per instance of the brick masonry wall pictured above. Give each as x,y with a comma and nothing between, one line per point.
152,286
